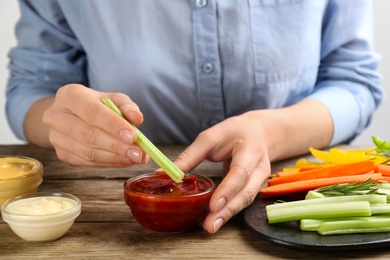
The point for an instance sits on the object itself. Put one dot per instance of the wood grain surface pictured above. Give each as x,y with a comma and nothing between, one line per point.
106,229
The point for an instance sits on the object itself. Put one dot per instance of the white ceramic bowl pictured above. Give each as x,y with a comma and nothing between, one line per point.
41,216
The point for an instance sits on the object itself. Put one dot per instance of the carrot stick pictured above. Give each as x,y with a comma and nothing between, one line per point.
385,178
309,168
326,172
384,169
280,174
306,185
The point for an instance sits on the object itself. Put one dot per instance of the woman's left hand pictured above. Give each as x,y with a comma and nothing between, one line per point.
241,141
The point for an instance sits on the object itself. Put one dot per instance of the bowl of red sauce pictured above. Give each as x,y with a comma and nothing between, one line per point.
160,204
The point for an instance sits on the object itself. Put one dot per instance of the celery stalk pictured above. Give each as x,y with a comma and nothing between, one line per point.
329,210
380,209
371,224
309,224
313,224
167,165
371,198
312,194
384,185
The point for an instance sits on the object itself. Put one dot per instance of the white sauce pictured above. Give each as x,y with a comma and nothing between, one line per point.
42,218
40,206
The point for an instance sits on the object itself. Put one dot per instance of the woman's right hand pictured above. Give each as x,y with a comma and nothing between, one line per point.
84,132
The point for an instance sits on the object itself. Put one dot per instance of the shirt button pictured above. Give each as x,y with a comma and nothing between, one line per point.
207,67
201,3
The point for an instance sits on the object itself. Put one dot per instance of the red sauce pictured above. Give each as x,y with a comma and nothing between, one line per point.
160,204
163,185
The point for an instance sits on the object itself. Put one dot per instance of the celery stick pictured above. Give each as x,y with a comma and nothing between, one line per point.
372,198
313,224
384,191
384,185
167,165
312,194
380,209
372,224
309,224
329,210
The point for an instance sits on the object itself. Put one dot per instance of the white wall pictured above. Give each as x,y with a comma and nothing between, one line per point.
380,125
9,13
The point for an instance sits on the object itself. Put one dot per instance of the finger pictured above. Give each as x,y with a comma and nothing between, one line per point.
94,138
200,149
245,158
130,109
75,153
243,199
87,106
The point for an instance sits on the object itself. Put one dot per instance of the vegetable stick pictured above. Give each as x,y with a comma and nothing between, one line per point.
369,225
385,178
164,162
306,185
329,210
384,169
326,172
309,168
280,174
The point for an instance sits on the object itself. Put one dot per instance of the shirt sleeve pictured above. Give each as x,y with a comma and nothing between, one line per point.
47,57
348,83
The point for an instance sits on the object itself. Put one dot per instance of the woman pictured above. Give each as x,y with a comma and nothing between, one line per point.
241,82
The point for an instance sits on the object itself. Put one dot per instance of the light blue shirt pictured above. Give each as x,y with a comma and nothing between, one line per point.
190,64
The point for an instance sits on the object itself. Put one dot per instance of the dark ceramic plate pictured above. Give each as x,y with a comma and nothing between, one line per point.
289,234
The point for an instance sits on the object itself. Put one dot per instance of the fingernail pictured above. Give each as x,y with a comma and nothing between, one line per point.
218,224
221,202
126,135
134,155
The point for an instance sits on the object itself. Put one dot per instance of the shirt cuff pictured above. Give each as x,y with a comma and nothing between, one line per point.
17,109
350,105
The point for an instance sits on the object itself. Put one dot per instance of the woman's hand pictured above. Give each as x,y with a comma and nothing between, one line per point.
250,142
84,132
242,141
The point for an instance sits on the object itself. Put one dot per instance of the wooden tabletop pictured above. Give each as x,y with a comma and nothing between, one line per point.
106,229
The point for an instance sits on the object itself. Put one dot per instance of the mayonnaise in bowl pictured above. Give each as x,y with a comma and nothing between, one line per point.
41,216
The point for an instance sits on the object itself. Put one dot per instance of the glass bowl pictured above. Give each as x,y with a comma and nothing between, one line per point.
160,204
41,216
19,175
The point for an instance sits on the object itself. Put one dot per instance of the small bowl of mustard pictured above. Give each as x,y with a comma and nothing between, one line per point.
19,175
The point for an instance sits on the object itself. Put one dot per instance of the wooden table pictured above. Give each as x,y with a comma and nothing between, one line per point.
106,230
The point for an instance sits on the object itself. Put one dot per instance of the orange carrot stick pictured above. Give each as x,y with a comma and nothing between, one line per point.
327,172
309,168
385,178
280,174
306,185
384,169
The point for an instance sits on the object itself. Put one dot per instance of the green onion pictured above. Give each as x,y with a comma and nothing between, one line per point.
167,165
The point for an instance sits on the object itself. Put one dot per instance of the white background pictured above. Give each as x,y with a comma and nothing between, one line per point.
380,125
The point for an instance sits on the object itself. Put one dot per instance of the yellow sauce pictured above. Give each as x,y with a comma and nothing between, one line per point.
19,175
12,167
